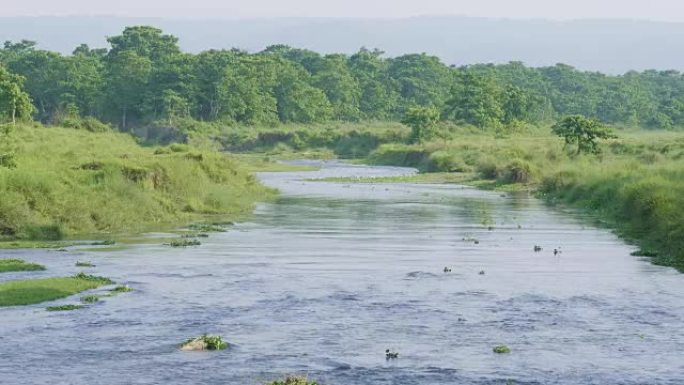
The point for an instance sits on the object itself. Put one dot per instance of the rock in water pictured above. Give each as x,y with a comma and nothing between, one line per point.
195,345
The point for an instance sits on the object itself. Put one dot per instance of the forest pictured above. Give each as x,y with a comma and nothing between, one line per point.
144,79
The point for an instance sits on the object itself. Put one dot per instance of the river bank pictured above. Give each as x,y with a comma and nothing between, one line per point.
65,182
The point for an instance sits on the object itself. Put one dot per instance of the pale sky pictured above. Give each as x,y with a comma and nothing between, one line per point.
664,10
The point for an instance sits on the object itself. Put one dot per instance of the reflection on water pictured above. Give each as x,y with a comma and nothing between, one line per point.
331,275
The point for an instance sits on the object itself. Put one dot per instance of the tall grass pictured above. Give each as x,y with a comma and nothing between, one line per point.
636,185
69,181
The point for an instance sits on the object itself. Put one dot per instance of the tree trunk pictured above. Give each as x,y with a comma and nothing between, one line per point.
123,120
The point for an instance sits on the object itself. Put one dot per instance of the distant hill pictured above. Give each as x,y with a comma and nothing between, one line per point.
612,46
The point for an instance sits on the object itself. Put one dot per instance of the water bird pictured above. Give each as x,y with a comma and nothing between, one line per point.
391,355
482,272
537,249
556,251
447,269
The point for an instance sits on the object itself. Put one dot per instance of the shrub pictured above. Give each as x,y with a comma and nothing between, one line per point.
53,232
518,171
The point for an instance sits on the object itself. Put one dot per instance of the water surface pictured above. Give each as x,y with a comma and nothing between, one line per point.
322,281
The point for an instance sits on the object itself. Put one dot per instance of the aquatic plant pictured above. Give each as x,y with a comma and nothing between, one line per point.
108,242
185,243
501,349
294,380
207,228
90,298
8,265
84,264
205,342
122,289
64,307
93,278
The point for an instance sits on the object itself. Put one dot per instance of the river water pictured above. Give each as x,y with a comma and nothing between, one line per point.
322,281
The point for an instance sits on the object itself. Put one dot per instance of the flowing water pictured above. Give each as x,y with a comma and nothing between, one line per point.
322,281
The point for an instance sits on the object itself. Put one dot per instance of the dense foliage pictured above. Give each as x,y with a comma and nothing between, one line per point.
144,77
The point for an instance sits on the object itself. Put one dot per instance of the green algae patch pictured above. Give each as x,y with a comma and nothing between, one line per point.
9,265
64,308
33,291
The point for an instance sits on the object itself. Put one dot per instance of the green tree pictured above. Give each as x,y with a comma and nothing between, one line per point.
582,133
476,99
421,120
15,104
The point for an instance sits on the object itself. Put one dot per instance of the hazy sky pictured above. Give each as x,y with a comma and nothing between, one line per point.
671,10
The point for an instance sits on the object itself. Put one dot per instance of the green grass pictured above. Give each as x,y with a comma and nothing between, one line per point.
64,307
32,291
70,182
121,289
90,298
8,265
15,244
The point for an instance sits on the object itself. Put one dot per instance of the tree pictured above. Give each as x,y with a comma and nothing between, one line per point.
476,99
421,120
582,132
15,104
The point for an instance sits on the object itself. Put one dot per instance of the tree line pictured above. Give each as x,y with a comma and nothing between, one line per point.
144,77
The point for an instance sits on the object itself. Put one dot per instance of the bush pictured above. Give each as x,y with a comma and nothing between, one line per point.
53,232
518,171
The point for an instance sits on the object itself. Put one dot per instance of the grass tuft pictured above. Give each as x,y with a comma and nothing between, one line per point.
64,307
8,265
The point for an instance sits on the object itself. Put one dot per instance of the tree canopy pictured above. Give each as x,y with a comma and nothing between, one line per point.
144,77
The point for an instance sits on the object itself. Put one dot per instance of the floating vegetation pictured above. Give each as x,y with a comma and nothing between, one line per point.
84,264
64,308
93,278
471,240
204,342
122,289
8,265
195,235
501,349
90,298
294,380
185,243
108,242
207,228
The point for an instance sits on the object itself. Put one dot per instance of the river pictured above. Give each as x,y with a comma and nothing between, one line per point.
330,275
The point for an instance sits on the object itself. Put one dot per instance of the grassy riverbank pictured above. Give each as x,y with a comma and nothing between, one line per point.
32,291
636,185
63,182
